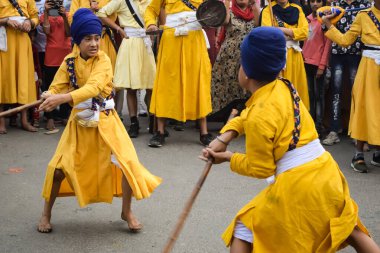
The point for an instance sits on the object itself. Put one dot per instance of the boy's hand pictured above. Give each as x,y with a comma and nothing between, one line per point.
217,157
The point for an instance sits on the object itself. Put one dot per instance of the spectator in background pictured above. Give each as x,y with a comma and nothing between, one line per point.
58,45
290,18
17,84
316,53
135,67
343,61
225,89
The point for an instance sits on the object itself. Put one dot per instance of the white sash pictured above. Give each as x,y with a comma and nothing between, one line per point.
182,19
297,157
373,54
134,32
89,117
293,44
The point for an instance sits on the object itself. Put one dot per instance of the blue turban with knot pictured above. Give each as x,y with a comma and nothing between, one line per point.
263,53
85,23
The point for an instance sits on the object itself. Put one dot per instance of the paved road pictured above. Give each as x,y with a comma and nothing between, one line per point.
98,227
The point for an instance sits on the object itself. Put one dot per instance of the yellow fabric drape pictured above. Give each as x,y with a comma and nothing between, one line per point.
17,83
182,87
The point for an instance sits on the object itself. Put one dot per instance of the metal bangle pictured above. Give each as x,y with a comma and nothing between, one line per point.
222,141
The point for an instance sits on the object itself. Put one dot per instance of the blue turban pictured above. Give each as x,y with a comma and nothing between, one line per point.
85,23
263,53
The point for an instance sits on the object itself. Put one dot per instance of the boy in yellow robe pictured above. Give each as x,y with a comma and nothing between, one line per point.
95,155
307,206
290,18
365,108
182,87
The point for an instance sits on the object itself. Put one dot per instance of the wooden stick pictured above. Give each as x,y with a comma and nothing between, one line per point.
181,221
20,108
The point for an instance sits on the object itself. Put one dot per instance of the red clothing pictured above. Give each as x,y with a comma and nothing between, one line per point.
316,50
57,44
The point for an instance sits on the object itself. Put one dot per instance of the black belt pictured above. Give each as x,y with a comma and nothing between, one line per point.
371,48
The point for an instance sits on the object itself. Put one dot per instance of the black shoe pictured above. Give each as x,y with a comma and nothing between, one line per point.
157,140
376,160
179,126
206,139
134,130
358,164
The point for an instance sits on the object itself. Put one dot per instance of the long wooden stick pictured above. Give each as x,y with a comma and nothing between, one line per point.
181,221
20,108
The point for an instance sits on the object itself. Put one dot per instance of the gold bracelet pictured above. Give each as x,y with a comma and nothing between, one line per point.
222,141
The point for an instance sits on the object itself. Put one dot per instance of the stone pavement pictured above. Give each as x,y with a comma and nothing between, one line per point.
98,228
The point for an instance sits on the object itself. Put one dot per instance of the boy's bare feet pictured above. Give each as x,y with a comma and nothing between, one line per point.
133,224
28,127
50,125
44,225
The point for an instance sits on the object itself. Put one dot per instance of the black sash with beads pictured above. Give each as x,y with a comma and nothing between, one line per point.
189,4
297,117
17,7
73,83
374,19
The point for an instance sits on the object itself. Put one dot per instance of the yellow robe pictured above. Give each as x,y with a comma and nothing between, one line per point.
105,42
182,87
17,83
295,69
365,110
307,208
135,64
84,154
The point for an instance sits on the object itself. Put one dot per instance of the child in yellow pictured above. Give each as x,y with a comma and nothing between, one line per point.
107,44
17,83
135,64
290,18
365,107
182,87
82,164
307,206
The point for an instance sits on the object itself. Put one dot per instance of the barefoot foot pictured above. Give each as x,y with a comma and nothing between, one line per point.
44,225
28,127
133,224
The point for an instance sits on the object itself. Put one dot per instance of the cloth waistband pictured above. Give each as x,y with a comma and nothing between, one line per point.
92,107
297,157
134,32
19,19
182,19
293,44
372,54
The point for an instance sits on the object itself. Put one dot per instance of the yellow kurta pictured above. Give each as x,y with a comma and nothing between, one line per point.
17,84
135,64
295,69
182,87
84,154
307,208
105,42
365,110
